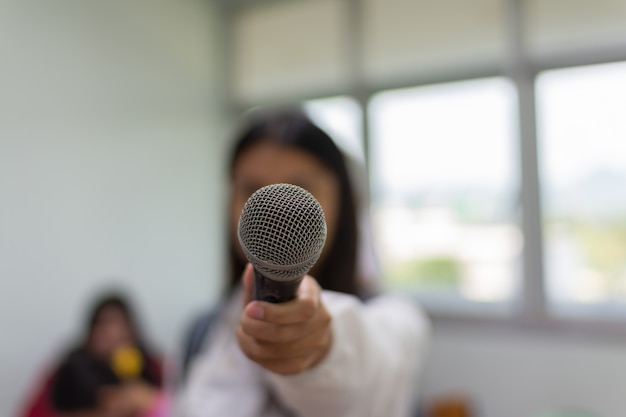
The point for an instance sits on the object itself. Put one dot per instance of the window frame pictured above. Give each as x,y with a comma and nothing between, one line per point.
529,311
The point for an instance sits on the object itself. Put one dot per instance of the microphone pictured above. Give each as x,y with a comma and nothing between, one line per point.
127,362
281,231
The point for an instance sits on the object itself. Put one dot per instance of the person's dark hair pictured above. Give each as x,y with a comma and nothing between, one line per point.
292,128
115,301
78,381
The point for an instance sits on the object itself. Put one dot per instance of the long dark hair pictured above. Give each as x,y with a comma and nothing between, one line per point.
337,269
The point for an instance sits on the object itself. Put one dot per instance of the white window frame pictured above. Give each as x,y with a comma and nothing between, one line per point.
531,311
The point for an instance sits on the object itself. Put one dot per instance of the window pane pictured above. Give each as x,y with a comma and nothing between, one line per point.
583,159
341,118
445,190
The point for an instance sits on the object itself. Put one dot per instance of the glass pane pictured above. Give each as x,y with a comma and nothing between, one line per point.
445,190
583,160
341,118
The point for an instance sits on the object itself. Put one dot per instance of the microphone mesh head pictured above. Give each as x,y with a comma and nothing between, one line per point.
282,230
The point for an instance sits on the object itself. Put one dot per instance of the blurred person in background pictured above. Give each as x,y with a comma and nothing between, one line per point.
112,354
340,348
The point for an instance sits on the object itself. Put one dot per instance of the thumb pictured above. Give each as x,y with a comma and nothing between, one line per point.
247,279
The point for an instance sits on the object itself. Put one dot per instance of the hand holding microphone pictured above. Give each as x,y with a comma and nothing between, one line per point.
285,338
284,327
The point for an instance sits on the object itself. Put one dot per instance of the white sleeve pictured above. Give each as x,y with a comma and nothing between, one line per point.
371,367
222,381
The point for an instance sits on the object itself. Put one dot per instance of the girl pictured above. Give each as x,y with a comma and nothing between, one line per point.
337,349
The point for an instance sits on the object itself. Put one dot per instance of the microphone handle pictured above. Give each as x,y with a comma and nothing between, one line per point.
273,291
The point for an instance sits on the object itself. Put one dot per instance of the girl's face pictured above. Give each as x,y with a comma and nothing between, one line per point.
266,163
110,331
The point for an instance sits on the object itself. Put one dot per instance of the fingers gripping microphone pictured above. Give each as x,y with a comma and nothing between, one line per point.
281,231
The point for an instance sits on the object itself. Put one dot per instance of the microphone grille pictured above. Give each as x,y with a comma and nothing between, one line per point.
282,230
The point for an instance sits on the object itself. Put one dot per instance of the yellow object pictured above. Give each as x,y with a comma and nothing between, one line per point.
126,362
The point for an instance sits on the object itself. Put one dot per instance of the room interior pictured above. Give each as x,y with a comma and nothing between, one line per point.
472,122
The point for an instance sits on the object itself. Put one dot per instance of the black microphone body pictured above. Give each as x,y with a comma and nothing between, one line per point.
281,231
266,289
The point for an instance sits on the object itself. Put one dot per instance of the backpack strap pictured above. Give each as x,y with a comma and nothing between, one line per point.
194,341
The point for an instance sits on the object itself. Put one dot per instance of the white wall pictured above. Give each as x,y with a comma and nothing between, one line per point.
523,374
110,171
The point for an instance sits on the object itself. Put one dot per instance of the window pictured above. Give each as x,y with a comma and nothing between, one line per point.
582,132
444,161
341,118
445,190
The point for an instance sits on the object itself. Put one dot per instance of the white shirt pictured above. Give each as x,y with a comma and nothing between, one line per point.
370,370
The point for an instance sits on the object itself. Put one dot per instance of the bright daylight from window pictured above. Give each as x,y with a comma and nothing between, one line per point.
445,190
582,132
341,118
